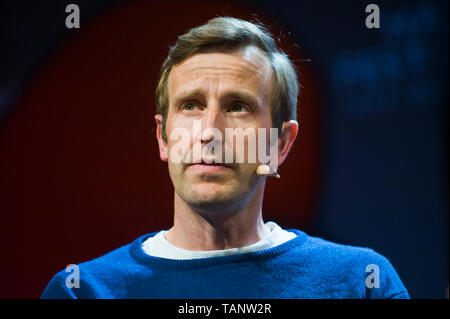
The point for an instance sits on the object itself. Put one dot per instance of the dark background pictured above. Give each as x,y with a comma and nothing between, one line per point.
80,172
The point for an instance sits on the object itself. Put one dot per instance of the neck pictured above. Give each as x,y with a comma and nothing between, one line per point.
203,231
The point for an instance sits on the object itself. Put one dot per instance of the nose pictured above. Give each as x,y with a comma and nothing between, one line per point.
213,119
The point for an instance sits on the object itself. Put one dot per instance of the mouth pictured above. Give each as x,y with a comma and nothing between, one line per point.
212,166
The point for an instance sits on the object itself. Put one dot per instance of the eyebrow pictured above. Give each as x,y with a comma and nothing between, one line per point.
196,93
240,95
186,95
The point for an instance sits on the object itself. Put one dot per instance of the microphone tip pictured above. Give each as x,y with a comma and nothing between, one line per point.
266,170
263,169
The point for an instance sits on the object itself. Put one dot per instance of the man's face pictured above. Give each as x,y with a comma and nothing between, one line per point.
219,90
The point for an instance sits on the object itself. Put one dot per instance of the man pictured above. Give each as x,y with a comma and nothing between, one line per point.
228,76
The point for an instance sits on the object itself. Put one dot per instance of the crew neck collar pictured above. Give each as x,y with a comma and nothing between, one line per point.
141,257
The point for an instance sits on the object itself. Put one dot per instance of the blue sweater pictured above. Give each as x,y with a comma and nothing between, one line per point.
303,267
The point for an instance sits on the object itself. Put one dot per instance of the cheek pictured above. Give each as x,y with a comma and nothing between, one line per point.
257,149
176,174
179,140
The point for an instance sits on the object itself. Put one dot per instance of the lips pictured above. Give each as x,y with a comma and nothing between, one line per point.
213,163
212,166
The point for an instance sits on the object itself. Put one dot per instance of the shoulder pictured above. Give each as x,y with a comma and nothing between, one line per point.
95,274
342,254
319,249
352,265
123,259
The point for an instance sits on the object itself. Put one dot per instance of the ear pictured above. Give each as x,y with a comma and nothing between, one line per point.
286,140
163,149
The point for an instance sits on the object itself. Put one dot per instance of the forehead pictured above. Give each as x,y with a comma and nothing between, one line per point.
246,69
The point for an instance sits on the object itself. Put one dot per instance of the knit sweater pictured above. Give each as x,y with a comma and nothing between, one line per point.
303,267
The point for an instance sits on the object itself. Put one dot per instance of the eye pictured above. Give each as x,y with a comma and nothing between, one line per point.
238,108
189,106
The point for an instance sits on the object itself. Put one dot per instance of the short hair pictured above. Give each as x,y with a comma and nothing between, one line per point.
227,33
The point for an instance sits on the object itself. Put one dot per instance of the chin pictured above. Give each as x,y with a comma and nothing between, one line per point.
210,198
209,193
